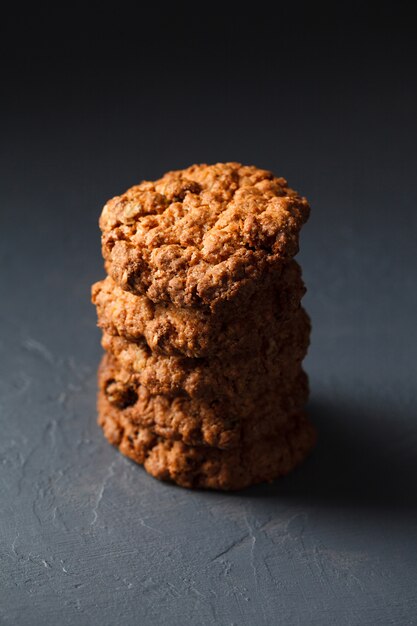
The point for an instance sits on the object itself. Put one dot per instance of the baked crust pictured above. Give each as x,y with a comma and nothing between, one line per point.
202,234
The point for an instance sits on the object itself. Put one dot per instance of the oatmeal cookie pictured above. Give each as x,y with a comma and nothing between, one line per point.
263,459
217,423
199,332
201,234
222,375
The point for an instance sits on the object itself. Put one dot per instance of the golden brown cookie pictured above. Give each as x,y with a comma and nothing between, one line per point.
201,234
196,422
264,459
233,327
224,375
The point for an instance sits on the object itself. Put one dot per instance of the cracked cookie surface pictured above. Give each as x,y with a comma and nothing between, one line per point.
202,234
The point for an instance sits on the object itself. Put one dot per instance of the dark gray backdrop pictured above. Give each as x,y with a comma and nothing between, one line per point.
94,103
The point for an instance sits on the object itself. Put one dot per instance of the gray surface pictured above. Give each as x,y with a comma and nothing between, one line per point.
86,536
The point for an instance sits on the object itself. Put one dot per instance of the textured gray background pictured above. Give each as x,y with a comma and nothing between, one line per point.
86,537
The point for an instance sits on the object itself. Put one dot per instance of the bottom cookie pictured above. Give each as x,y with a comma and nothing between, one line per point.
209,468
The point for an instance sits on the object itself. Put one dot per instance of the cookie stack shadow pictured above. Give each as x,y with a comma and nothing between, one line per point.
203,383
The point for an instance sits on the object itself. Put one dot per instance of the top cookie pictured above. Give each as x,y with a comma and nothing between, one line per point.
201,234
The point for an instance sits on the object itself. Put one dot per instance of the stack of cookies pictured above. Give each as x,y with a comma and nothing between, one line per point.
203,330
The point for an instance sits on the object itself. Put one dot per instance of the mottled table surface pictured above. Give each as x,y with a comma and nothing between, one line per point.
86,536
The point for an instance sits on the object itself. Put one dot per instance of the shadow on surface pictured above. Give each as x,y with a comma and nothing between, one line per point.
365,457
